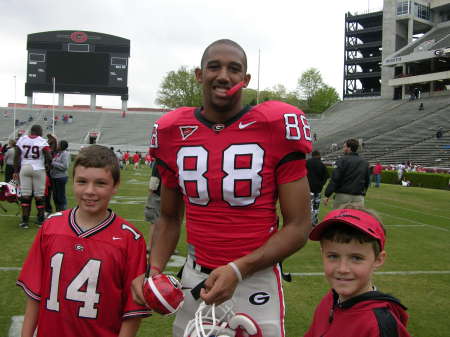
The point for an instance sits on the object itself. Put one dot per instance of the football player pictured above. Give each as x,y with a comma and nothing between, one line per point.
230,164
79,270
31,160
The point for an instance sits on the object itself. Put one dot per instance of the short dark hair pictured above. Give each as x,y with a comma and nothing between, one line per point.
353,144
63,144
98,156
36,130
227,42
343,233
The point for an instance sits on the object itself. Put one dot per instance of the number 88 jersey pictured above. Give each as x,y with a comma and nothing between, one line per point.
229,173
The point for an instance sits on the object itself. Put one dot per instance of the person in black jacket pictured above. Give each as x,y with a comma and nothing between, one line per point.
350,178
317,177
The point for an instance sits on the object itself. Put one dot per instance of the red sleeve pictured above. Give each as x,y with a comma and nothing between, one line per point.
291,171
136,265
291,139
30,275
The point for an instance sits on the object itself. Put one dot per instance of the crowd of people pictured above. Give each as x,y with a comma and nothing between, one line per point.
37,168
136,160
224,168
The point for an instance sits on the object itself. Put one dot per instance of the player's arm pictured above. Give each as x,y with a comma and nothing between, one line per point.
295,209
30,318
165,236
335,179
47,157
130,327
17,161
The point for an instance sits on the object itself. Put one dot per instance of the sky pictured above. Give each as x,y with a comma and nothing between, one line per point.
290,36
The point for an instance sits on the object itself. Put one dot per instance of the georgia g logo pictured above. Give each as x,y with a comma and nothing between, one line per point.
259,298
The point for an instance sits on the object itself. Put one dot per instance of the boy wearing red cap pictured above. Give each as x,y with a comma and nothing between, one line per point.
352,245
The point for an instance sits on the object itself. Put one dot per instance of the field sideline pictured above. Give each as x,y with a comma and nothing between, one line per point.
417,270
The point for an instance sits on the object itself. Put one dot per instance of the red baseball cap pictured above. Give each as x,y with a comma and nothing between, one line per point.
352,217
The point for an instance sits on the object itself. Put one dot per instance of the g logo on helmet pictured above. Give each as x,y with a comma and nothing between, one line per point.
163,294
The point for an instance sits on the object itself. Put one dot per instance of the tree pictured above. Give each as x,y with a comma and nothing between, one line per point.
309,83
323,99
180,88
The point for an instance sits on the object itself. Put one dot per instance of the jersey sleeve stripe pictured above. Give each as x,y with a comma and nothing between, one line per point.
291,157
137,313
28,291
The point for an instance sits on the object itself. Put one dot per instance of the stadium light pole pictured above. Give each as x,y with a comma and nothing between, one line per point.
257,91
14,109
53,106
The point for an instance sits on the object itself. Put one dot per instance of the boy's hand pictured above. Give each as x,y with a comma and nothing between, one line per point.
136,289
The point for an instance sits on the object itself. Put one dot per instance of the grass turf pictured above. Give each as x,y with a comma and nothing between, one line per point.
418,225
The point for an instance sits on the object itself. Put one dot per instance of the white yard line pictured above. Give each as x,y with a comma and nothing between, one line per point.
413,210
416,222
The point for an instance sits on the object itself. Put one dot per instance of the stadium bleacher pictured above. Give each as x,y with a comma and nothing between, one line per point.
131,132
392,131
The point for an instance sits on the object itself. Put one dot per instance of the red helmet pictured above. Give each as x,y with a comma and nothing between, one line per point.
163,294
8,192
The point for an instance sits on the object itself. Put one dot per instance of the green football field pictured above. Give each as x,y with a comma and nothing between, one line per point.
417,270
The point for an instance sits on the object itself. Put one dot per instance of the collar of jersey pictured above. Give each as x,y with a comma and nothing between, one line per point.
201,118
91,231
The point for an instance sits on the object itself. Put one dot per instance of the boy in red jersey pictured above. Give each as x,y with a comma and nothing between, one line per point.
352,242
79,270
229,164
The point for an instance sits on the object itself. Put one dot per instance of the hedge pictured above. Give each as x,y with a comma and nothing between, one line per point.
419,179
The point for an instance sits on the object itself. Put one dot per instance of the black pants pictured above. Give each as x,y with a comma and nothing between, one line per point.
9,170
59,193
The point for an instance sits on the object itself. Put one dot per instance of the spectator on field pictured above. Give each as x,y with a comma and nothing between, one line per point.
2,158
377,173
9,160
350,178
400,171
317,177
126,159
119,156
53,143
421,106
352,242
58,175
136,160
439,133
405,183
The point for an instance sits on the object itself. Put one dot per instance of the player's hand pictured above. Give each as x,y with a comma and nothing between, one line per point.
220,285
136,289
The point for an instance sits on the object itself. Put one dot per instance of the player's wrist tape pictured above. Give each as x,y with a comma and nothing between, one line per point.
236,270
157,269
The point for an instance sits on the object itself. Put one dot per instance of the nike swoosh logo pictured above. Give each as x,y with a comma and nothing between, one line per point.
243,126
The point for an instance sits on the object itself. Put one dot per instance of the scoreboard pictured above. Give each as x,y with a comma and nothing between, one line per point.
81,62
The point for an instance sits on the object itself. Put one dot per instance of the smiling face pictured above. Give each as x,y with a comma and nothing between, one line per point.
93,188
349,266
223,67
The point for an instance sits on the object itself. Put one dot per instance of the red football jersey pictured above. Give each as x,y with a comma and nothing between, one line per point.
228,173
83,278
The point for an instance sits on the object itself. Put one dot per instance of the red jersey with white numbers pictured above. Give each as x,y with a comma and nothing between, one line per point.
82,279
32,151
228,173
